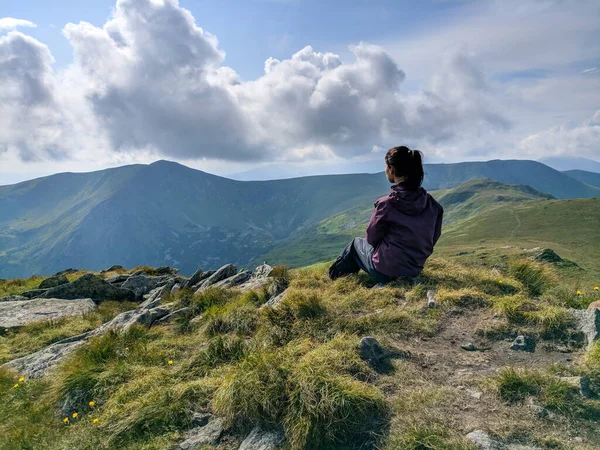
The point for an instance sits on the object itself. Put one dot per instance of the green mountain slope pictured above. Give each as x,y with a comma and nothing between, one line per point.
530,173
327,238
591,178
169,214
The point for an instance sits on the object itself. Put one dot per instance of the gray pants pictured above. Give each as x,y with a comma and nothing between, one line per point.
363,253
356,256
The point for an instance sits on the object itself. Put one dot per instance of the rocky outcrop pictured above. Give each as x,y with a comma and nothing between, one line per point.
260,439
523,343
90,286
53,281
371,350
588,322
142,284
209,434
19,313
482,440
235,280
13,298
224,272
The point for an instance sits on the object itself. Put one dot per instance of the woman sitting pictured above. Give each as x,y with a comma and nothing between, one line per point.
403,229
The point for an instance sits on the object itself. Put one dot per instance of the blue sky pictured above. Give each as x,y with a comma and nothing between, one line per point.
144,80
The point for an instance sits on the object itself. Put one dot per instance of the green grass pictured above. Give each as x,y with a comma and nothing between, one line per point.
297,367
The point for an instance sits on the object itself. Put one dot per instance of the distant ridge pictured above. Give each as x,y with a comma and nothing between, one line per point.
591,178
169,214
563,163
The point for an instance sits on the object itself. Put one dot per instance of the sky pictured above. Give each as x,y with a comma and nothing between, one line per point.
264,85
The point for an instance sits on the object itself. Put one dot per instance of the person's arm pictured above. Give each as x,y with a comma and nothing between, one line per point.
438,225
377,225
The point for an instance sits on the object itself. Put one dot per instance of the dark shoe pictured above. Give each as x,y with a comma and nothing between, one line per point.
335,271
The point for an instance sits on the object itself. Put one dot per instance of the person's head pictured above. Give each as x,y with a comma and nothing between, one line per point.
405,167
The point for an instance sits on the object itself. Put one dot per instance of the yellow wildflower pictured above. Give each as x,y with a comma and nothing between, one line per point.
95,420
578,292
170,362
92,403
500,281
21,379
16,386
127,348
74,415
595,288
66,420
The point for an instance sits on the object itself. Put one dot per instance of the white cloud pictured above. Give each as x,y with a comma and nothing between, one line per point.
10,23
151,83
582,139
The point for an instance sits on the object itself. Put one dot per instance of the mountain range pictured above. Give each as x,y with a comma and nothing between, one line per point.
168,214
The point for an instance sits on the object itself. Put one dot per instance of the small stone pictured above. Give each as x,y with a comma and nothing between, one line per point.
470,347
209,434
260,439
53,281
523,343
484,441
371,350
431,302
200,419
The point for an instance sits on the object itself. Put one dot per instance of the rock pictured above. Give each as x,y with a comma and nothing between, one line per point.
53,281
150,316
166,270
470,347
142,284
112,268
176,288
13,298
235,280
34,293
581,383
209,434
169,317
523,343
371,350
193,284
262,271
90,286
226,271
138,273
484,441
118,278
274,302
66,271
19,313
196,278
156,294
260,439
548,255
588,322
200,419
431,303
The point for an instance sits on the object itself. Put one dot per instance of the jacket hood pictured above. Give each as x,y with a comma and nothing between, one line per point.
412,203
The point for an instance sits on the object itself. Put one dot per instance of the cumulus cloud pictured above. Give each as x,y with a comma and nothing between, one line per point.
10,23
151,80
582,139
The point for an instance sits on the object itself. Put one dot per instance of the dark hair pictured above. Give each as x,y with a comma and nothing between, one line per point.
408,166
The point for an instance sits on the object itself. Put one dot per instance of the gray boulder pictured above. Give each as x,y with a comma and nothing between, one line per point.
169,317
112,268
155,296
142,284
274,302
588,322
118,279
523,343
53,281
209,434
371,350
34,293
66,271
262,271
198,277
13,298
484,441
90,286
152,315
259,439
235,280
226,271
19,313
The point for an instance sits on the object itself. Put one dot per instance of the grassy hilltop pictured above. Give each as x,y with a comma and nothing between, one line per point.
296,367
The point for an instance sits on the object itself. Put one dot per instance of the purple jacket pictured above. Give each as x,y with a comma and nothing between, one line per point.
403,229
